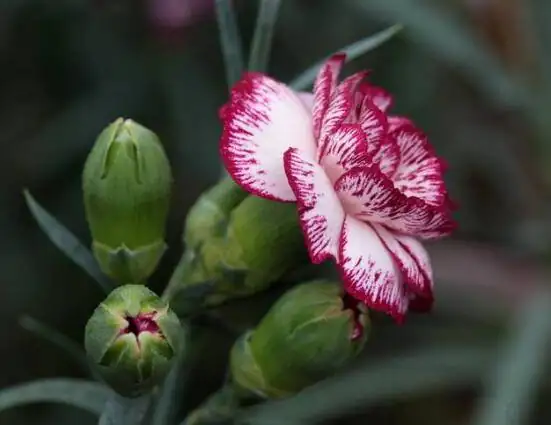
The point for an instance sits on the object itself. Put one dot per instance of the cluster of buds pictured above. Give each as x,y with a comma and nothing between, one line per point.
133,337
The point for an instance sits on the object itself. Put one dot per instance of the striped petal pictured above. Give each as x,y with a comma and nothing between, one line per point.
366,193
374,123
320,212
387,157
368,271
380,97
262,120
346,149
412,260
340,108
420,171
324,87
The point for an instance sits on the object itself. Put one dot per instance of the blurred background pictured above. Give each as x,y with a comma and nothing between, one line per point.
474,74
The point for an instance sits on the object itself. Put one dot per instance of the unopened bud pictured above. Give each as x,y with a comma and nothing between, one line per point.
126,184
133,338
310,333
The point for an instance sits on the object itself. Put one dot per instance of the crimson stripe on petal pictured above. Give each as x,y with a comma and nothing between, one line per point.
345,149
320,211
379,96
387,156
396,122
341,106
411,258
419,172
368,270
262,120
374,123
324,87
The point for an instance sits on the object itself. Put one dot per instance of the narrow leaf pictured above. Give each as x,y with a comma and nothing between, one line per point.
410,374
67,242
79,393
353,51
263,35
124,411
230,40
512,385
58,339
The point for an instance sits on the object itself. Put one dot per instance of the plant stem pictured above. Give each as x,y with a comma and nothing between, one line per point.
120,410
218,408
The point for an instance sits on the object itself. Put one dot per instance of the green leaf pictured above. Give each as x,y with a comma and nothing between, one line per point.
57,338
353,51
230,40
513,383
78,393
263,34
67,242
407,375
125,411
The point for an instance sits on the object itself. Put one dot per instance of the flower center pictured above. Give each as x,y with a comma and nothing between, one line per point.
141,323
349,303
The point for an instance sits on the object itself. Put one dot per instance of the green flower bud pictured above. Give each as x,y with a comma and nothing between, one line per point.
126,183
133,338
238,243
210,214
309,334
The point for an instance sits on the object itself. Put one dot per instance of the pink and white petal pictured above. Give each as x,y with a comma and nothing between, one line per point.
320,211
263,119
411,258
439,225
324,87
374,123
379,96
368,270
387,156
419,172
367,194
395,122
340,108
346,149
307,100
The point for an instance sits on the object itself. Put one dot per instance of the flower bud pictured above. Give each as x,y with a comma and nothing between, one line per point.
240,243
126,184
309,333
133,338
210,214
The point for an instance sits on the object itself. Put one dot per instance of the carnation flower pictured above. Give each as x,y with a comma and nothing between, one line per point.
367,185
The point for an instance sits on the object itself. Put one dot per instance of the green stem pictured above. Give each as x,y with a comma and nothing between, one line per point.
219,407
124,411
182,269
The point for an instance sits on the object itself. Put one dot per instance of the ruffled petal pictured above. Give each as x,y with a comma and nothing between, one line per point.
346,149
412,260
368,270
263,119
341,107
387,157
367,194
396,122
379,96
419,172
374,123
324,87
320,211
